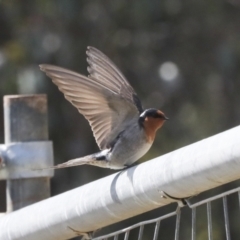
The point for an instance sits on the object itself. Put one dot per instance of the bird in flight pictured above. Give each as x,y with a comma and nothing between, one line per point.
123,130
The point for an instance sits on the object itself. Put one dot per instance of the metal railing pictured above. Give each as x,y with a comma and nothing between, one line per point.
185,172
124,233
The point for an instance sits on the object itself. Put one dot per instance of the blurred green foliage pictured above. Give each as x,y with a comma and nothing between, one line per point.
181,56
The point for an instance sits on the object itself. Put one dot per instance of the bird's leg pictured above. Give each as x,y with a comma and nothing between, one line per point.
126,166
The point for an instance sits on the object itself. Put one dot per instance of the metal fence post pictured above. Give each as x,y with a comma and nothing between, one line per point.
25,119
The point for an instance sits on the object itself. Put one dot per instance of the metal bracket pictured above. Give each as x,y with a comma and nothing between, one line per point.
85,235
180,201
18,160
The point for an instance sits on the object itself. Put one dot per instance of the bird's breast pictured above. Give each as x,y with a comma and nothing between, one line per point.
131,146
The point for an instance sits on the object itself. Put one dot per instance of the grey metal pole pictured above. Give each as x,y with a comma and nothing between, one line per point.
25,120
181,173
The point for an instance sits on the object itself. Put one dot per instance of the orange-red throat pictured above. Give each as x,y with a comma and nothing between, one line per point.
152,120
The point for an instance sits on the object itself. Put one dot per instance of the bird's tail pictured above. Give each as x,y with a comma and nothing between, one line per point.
74,162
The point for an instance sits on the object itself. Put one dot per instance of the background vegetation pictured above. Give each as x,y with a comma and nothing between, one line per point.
181,56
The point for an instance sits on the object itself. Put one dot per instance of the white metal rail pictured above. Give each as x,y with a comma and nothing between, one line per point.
182,173
208,201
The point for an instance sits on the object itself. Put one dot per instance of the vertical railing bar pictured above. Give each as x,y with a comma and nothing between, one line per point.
126,235
194,223
209,219
156,231
115,237
226,218
140,232
177,224
239,198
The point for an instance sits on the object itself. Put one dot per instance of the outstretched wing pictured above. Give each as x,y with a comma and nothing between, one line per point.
104,71
105,98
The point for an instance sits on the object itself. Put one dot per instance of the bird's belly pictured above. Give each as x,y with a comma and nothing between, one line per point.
127,152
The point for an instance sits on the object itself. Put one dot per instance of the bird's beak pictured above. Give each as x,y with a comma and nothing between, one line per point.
166,118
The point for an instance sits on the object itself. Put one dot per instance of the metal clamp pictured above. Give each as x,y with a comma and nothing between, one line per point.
180,201
18,160
84,235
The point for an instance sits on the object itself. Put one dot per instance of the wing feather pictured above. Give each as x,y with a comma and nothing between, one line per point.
105,98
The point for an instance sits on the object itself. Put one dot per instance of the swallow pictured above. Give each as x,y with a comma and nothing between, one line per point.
123,130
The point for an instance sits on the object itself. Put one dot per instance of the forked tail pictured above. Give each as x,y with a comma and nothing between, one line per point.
74,162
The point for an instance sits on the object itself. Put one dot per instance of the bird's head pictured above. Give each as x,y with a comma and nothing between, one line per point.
152,119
